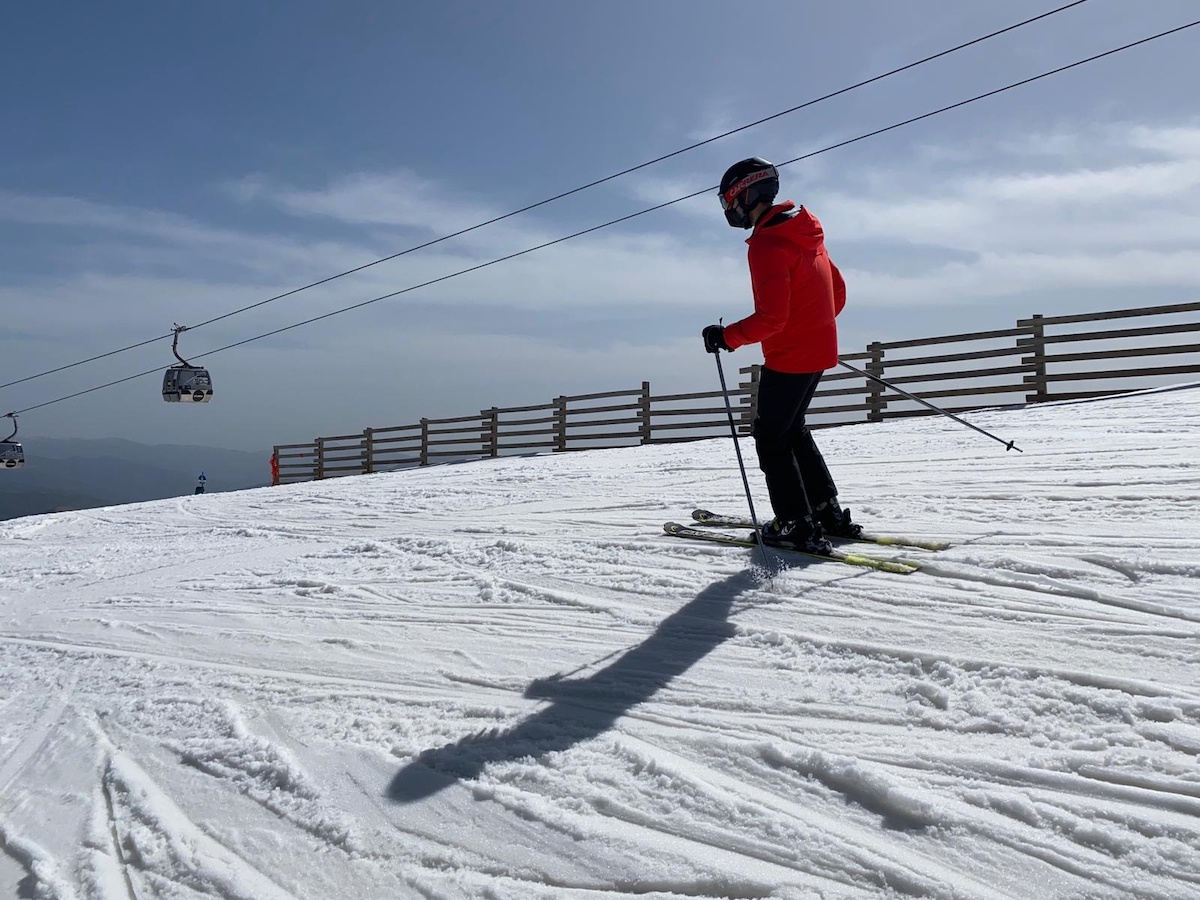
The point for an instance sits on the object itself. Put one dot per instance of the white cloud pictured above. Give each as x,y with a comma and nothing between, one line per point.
136,237
1006,274
401,199
1069,222
1110,208
1125,212
1180,142
147,269
1131,183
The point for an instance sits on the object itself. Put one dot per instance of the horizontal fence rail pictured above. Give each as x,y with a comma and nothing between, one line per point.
1043,358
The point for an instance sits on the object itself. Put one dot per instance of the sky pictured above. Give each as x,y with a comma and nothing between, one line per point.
474,680
171,163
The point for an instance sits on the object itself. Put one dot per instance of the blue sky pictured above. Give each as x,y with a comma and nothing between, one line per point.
170,162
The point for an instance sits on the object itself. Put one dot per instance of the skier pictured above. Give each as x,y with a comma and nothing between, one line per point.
798,292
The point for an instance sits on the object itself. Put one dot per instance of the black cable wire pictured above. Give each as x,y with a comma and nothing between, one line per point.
591,184
542,246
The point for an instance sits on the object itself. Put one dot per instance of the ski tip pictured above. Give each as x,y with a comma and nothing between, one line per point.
918,543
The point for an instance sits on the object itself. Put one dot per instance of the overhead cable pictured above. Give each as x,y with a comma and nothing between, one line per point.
650,209
584,187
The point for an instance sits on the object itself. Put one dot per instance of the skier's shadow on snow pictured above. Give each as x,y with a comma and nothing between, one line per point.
584,708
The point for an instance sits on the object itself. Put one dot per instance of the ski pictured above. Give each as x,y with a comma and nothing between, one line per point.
704,517
898,567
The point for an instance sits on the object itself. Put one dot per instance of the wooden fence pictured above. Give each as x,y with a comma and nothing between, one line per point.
1038,360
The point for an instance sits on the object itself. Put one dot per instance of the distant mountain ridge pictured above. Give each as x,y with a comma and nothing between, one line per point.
69,473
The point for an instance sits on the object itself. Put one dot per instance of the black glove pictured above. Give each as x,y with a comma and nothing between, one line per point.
714,339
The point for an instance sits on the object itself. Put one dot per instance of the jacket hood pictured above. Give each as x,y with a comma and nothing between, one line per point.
802,229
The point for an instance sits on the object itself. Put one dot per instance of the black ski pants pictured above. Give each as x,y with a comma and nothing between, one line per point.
795,472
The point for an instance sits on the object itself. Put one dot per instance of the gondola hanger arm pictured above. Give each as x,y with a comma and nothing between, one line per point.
178,329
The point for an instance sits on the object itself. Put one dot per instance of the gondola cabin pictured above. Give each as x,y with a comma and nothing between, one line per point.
187,384
12,455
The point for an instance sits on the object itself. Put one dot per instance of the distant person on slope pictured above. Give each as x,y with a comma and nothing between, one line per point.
798,292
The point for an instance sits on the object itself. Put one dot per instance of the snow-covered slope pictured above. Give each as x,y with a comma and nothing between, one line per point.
502,680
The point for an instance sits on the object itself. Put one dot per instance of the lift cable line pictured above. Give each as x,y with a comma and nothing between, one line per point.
548,200
594,228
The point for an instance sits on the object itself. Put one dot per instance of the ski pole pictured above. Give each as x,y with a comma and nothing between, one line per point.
1008,445
741,465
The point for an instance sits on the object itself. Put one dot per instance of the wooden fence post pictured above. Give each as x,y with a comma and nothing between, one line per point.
875,402
368,450
560,424
1036,344
490,418
424,442
644,412
320,458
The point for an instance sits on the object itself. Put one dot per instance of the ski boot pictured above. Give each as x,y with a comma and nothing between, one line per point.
798,534
835,521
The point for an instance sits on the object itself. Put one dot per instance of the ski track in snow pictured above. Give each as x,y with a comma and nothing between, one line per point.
503,680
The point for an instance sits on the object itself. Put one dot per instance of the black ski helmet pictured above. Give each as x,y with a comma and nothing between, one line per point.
744,185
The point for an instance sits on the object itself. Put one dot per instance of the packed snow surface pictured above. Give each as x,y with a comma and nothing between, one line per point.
503,680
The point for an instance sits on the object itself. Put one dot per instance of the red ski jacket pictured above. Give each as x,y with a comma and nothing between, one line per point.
798,292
